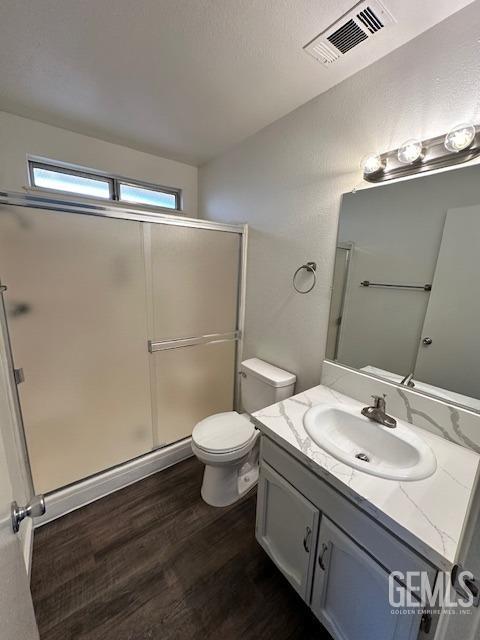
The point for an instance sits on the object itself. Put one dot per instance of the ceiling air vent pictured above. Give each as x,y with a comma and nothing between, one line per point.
363,22
347,37
369,18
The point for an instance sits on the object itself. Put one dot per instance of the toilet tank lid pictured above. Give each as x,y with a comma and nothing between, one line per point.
268,373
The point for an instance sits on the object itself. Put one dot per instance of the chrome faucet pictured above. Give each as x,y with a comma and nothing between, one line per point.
408,380
377,413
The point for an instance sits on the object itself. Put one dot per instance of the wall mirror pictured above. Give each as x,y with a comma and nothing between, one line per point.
406,286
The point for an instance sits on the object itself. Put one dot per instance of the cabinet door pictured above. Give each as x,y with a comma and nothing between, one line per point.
350,592
287,527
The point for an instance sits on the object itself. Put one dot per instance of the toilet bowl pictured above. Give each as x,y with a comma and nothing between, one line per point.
227,443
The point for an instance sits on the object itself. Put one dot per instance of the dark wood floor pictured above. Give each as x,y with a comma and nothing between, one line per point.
153,561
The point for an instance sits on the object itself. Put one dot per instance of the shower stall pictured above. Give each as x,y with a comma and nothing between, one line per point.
125,327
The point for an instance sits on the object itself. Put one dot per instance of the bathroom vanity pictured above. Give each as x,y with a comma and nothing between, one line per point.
337,532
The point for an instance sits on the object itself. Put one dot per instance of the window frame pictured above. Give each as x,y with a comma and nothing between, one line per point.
118,182
113,181
34,164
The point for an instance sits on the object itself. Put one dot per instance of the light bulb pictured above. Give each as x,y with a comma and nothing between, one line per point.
371,163
410,151
460,137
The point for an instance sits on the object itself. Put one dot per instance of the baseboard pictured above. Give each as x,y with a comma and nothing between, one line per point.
61,502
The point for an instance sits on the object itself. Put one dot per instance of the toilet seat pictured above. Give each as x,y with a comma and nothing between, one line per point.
223,433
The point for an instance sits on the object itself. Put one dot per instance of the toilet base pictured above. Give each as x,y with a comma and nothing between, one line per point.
224,485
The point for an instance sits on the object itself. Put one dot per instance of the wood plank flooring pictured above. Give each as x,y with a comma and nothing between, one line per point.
153,561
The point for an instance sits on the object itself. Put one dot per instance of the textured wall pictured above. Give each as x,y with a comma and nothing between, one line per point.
286,181
20,137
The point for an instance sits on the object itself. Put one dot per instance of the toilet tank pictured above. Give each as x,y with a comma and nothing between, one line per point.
264,384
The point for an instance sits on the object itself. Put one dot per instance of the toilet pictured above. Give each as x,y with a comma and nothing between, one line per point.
227,443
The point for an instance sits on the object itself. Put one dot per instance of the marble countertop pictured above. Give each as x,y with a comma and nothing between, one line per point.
426,514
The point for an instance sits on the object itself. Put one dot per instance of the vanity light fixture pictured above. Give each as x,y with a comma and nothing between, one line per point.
460,144
372,163
411,151
460,137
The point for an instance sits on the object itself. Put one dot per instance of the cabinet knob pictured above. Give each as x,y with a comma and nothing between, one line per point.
427,341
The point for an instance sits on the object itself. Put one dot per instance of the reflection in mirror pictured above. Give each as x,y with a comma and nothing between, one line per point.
406,287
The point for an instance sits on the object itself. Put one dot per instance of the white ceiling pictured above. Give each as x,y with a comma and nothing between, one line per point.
185,79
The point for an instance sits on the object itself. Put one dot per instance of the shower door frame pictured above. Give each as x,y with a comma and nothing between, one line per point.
62,499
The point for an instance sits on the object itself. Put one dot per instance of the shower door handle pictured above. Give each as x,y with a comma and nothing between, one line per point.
177,343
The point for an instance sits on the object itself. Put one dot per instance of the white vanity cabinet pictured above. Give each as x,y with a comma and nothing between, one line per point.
336,556
350,592
287,528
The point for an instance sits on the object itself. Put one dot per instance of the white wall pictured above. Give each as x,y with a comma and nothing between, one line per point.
20,137
286,181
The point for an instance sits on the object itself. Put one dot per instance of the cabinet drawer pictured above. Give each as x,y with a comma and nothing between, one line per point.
388,550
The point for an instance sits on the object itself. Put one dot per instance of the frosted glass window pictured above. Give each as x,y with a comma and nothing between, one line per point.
148,197
83,182
71,182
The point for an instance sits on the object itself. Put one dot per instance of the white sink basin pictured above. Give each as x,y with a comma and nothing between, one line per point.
396,454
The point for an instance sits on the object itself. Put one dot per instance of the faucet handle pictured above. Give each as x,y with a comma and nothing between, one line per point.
379,401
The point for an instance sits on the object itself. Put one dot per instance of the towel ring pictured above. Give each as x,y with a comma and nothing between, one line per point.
312,268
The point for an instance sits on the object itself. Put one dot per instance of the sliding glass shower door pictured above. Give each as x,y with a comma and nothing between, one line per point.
126,331
194,283
77,313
